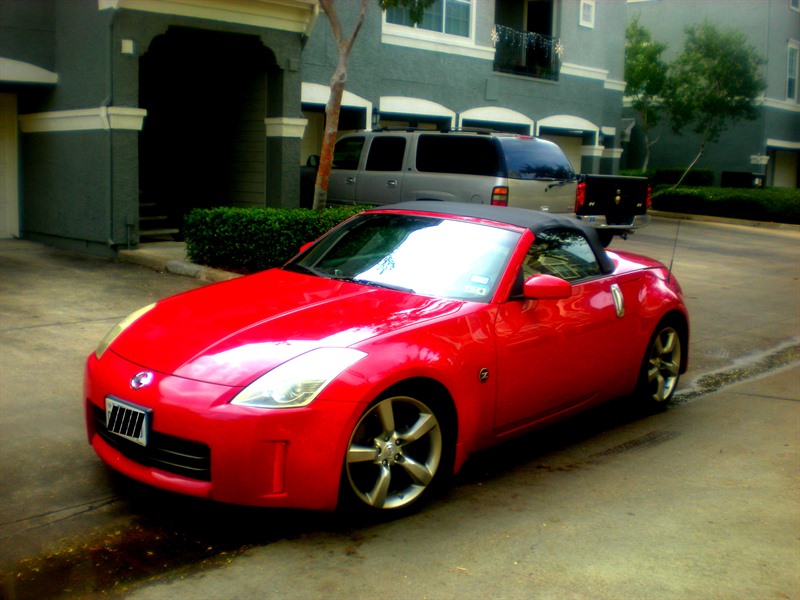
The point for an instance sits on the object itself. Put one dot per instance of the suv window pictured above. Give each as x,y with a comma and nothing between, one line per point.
563,253
386,154
461,154
529,158
347,152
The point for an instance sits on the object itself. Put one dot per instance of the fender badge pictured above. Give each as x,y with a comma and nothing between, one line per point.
141,379
483,375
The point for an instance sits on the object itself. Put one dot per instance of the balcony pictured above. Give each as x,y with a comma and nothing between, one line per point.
526,53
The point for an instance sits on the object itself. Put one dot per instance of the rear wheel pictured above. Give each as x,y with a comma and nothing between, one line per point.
661,367
395,454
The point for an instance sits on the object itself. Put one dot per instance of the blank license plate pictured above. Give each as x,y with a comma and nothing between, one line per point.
128,421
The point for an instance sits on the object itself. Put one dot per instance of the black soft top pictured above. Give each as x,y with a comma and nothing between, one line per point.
535,220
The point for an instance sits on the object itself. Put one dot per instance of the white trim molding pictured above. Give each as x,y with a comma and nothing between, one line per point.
592,151
612,153
285,127
496,114
584,71
103,118
316,93
615,84
298,16
396,35
567,122
782,144
405,105
576,70
21,72
789,105
759,159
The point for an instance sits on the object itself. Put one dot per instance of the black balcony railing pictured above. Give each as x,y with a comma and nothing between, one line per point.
526,53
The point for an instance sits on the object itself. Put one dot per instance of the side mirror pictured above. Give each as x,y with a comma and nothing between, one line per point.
547,287
306,246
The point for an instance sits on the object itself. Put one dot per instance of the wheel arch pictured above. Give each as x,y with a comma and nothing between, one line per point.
430,390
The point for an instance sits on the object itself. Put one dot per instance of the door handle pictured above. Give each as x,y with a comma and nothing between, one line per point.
391,183
350,180
619,300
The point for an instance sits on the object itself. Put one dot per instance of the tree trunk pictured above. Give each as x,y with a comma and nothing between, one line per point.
334,105
332,111
691,166
703,141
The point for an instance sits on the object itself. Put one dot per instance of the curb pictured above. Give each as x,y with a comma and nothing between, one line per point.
178,267
724,220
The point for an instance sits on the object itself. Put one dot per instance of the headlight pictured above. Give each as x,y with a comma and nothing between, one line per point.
119,328
298,381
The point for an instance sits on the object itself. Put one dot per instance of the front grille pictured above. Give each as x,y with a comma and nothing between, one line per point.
165,452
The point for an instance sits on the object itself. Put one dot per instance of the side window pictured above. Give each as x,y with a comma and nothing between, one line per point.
347,153
563,253
460,155
386,154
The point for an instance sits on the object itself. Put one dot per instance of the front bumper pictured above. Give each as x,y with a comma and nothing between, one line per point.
201,445
601,222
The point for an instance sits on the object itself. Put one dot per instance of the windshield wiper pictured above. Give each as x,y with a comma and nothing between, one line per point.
388,286
298,268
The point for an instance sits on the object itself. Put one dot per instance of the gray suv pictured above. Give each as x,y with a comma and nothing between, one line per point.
389,166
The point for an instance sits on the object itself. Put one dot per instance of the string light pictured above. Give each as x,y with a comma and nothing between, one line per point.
526,39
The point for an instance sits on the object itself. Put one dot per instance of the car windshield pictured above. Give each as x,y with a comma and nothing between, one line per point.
430,256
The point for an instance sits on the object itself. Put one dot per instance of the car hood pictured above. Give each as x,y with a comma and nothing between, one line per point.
233,332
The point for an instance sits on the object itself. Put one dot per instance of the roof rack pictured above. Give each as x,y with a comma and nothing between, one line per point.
480,130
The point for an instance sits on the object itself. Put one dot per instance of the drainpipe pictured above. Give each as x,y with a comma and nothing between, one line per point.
107,102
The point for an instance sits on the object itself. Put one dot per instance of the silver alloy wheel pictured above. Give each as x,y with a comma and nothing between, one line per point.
394,453
663,365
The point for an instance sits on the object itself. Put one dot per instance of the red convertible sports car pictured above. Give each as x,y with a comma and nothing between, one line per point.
375,362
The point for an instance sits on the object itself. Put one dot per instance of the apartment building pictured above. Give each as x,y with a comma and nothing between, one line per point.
768,146
118,116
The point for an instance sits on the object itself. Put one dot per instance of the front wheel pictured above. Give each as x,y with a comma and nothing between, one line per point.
395,454
661,367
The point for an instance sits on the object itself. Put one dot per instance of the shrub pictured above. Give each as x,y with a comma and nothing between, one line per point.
637,173
780,205
254,239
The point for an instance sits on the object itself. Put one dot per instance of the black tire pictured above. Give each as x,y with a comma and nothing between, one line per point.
397,455
661,367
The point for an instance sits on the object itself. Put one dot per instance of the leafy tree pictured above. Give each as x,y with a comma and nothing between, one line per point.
646,79
416,10
713,83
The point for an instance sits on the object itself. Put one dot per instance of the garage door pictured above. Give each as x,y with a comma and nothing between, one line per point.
9,191
571,147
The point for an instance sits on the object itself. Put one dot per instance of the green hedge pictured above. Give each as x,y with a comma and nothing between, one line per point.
779,205
253,239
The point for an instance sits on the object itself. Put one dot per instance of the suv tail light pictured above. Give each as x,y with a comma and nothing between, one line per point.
500,196
649,202
580,195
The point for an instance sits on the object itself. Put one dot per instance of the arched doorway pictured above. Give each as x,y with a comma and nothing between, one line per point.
203,142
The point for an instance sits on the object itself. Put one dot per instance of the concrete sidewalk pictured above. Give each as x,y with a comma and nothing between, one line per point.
702,501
